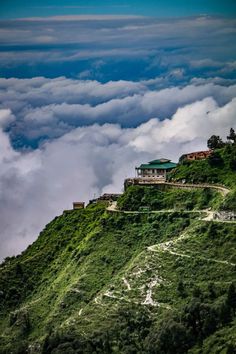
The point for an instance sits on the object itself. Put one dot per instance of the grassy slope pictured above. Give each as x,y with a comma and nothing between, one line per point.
82,255
100,282
219,168
72,260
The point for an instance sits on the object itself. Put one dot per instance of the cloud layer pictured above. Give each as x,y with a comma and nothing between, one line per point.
37,184
49,108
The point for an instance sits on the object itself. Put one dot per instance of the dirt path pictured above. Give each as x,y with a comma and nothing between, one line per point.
127,284
169,247
113,207
149,285
137,285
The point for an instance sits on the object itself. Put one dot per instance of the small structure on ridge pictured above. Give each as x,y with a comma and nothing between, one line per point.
157,169
197,155
78,205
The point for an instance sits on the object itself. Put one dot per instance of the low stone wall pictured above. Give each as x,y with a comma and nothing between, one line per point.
162,184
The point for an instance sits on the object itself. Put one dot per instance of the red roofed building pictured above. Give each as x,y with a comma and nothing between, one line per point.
197,155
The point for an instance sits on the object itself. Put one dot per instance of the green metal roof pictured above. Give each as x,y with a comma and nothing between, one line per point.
160,166
159,161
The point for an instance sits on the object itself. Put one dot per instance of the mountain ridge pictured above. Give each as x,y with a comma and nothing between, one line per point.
98,281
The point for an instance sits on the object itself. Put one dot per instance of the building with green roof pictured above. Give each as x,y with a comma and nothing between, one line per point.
155,169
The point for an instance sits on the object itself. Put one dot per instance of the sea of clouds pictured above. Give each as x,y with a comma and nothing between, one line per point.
89,136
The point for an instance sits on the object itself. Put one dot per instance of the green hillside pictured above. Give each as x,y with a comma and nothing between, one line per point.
137,197
220,167
128,281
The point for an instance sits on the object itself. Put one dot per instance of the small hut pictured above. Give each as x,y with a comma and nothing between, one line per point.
78,205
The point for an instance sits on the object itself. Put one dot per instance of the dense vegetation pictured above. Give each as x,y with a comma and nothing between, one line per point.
137,197
220,168
66,292
129,282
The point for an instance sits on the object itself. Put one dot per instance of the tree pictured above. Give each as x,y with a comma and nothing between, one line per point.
232,164
232,136
215,142
231,297
170,337
181,289
215,160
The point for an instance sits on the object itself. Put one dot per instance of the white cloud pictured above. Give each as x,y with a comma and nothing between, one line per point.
47,108
80,18
37,185
44,39
6,117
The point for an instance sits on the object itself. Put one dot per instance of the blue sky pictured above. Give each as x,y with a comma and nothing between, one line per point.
159,8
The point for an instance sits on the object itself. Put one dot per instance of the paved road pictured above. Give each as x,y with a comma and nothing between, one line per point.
209,213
